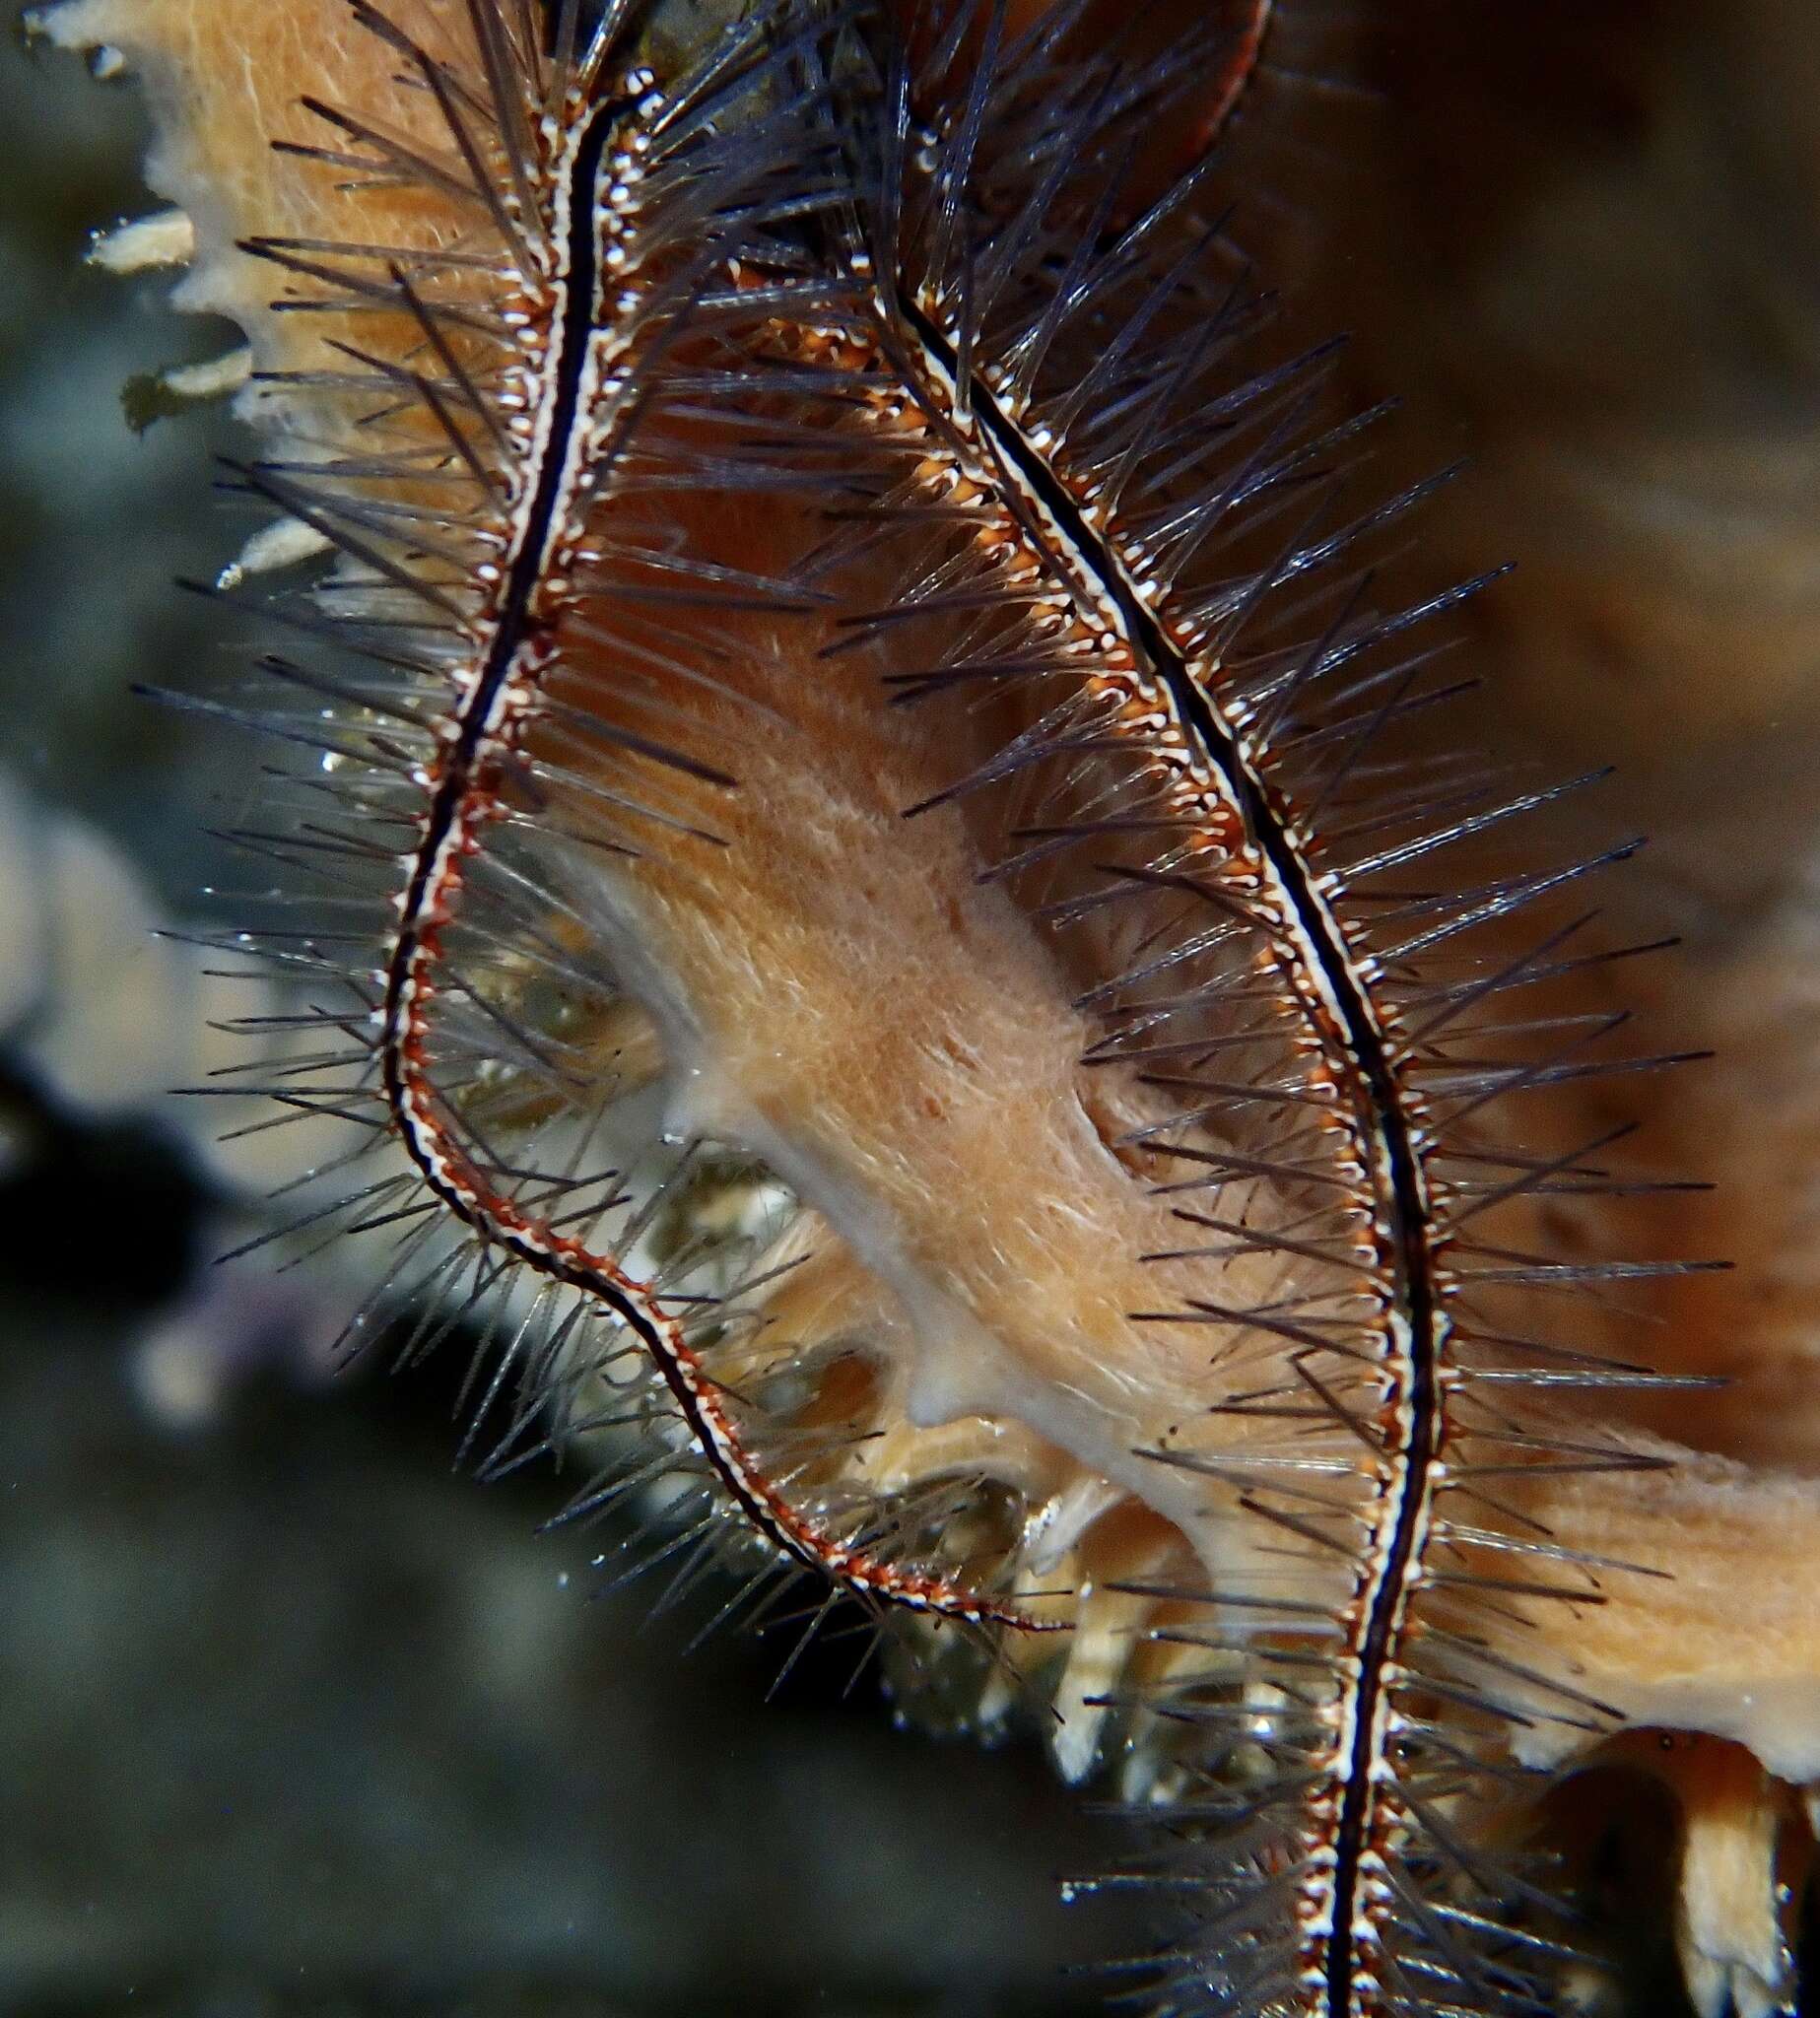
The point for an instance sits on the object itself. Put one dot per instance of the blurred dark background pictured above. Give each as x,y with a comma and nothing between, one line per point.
294,1719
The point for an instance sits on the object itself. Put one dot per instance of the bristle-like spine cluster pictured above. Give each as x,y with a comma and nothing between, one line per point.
1056,379
910,280
611,223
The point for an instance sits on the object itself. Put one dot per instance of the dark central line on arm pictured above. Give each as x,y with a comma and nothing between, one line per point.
1412,1284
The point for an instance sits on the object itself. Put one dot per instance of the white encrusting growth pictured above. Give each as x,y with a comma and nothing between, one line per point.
213,378
165,239
284,543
